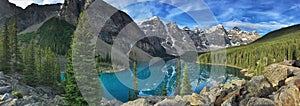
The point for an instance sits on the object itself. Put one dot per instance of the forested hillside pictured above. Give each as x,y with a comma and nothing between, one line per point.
276,46
55,33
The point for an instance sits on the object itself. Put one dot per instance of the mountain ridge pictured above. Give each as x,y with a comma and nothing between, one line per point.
204,40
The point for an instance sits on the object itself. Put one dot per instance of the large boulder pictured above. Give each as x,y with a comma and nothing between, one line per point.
259,86
138,102
276,73
287,96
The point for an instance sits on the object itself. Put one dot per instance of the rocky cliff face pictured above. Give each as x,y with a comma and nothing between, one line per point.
204,40
72,9
33,14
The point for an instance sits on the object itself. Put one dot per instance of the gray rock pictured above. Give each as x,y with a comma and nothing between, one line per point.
244,102
8,102
137,102
1,76
5,89
171,102
58,100
32,100
155,99
114,102
254,101
227,97
259,86
45,96
72,9
44,90
296,63
6,96
25,90
212,94
3,83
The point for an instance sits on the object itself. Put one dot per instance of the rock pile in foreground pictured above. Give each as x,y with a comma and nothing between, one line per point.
278,86
15,93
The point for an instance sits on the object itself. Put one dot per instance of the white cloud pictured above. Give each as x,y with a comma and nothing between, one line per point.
295,6
256,26
53,1
24,3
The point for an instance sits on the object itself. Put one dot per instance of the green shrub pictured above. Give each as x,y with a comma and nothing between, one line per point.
17,93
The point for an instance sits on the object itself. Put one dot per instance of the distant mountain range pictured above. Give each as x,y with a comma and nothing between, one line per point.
216,37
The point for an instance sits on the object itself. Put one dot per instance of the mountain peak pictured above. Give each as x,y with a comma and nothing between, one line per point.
186,28
220,26
236,28
154,18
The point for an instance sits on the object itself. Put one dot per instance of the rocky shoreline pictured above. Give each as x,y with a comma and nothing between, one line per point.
278,86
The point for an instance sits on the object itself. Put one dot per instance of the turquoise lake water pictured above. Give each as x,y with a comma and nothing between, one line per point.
117,85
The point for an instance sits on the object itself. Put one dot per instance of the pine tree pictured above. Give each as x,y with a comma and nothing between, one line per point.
73,95
30,75
39,62
16,57
135,82
186,83
50,70
164,90
129,97
5,58
178,75
84,63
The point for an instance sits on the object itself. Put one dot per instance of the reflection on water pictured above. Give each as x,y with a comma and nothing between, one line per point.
117,85
199,76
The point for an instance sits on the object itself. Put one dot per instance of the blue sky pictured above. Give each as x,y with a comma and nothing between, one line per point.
262,16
